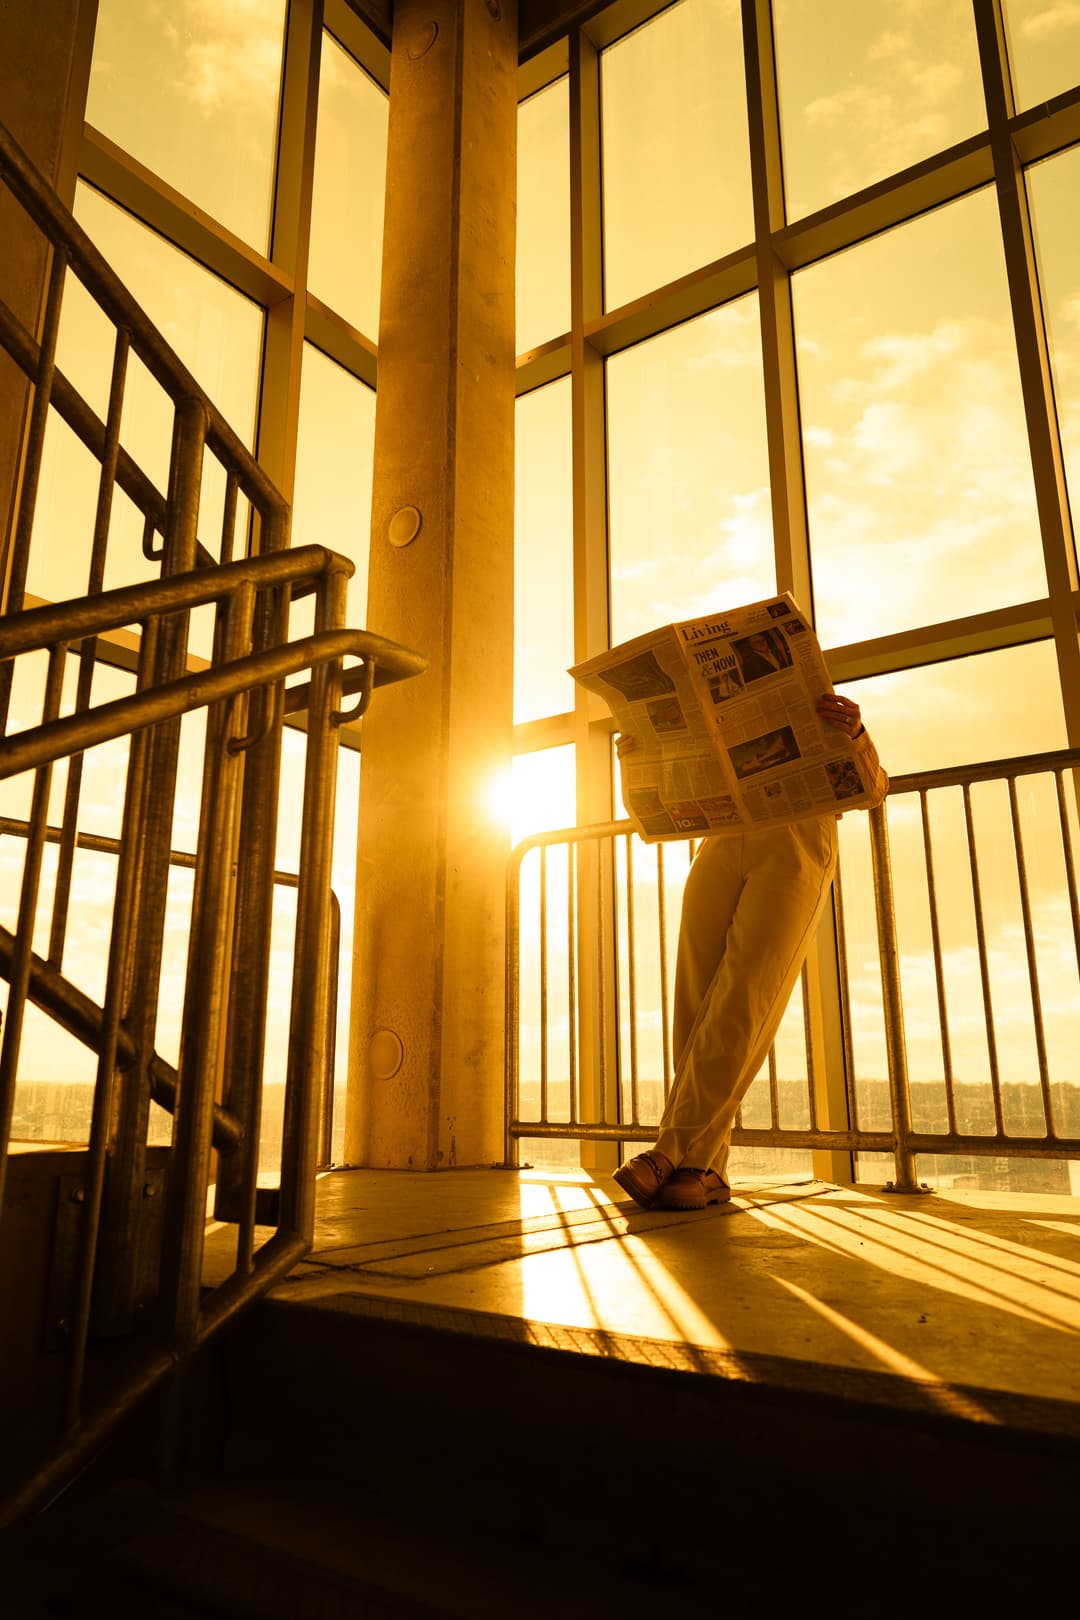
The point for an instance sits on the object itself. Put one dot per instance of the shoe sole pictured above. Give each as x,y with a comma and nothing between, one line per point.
685,1205
636,1193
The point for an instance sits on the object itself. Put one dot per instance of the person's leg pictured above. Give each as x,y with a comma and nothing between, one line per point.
710,896
784,885
714,884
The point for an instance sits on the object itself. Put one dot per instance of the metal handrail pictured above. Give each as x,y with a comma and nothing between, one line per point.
84,422
991,770
56,223
81,1017
194,1320
901,1139
226,990
61,623
57,739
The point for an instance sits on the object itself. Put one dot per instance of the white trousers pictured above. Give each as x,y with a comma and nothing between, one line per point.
750,908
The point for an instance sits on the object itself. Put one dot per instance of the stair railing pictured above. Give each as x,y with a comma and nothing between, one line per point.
242,692
217,1086
80,1016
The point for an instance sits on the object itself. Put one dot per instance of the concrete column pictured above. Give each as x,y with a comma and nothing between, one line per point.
426,1069
44,72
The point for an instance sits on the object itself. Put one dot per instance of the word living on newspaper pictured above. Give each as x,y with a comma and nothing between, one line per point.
723,713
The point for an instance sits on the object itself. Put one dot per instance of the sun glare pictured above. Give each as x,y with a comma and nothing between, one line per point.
499,798
535,794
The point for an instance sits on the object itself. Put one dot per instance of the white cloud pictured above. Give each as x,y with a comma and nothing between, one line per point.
1070,311
1051,21
888,46
230,53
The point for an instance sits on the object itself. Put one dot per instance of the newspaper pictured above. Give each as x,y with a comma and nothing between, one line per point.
723,711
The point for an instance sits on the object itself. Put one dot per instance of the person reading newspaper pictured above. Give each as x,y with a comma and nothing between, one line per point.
751,904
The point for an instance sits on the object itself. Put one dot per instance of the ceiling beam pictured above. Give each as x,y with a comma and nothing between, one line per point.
540,22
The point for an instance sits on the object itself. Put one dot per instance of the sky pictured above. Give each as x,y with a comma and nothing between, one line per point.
920,497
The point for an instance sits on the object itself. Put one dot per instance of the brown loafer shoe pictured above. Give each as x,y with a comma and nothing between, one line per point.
692,1189
644,1176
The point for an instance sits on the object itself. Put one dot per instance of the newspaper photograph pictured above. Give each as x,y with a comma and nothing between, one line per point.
723,713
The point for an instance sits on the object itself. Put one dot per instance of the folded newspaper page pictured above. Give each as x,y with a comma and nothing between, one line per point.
723,710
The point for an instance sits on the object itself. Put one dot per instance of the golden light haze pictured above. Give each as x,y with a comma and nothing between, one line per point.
911,430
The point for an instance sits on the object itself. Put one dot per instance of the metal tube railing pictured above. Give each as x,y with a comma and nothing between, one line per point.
208,976
893,1002
844,987
901,1139
571,982
811,1073
984,961
631,953
42,378
244,693
70,241
544,1095
939,968
665,1000
311,985
1032,964
123,717
80,1016
66,622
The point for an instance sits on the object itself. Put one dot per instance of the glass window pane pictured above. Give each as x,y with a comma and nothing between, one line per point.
335,447
991,706
544,792
543,554
216,332
675,148
192,90
350,186
1053,188
1044,48
867,90
919,484
543,217
689,502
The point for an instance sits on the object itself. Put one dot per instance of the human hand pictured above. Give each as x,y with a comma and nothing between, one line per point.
624,743
841,712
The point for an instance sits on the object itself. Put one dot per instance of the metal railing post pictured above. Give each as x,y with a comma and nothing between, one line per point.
205,1001
235,1196
124,1193
511,1105
308,1041
19,978
892,1001
87,651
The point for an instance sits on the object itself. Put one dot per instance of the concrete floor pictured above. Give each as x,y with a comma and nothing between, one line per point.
971,1299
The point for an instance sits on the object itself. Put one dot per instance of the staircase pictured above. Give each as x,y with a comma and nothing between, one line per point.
385,1462
101,1243
326,1462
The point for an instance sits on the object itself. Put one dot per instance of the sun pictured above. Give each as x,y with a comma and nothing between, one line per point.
499,798
534,794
